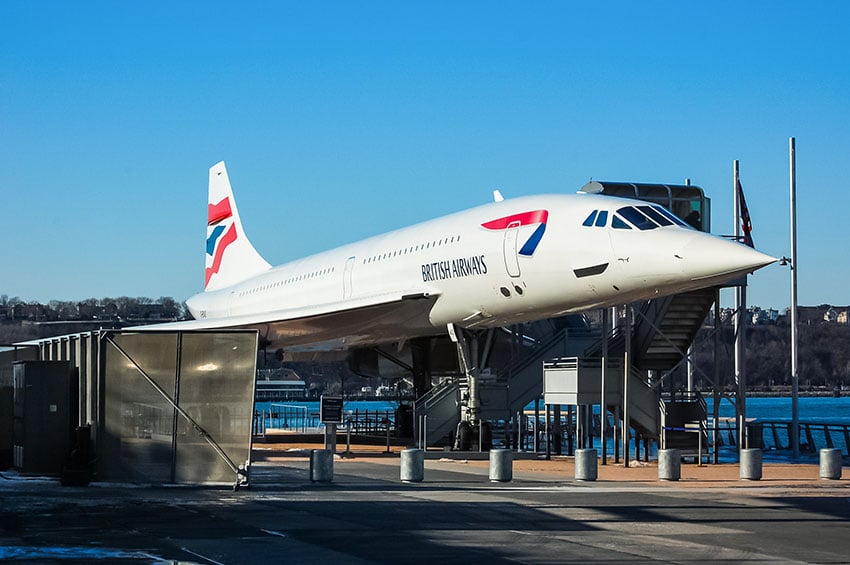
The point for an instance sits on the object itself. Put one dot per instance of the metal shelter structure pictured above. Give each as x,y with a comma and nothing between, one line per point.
161,407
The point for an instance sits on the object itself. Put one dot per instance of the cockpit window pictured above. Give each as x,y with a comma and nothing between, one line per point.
602,219
638,219
619,224
655,215
672,217
589,221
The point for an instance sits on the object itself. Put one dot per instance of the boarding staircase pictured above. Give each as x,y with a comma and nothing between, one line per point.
522,378
667,327
683,423
437,413
577,381
663,330
645,406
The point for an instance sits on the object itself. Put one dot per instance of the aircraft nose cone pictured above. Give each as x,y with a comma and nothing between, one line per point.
711,257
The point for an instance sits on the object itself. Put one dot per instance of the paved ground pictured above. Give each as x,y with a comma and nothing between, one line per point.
456,515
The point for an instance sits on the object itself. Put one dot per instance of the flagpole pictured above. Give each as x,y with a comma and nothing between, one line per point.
795,377
740,328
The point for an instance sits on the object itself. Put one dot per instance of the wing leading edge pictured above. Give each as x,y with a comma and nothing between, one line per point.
337,325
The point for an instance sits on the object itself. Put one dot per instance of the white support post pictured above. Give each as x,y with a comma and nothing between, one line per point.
795,376
602,418
626,366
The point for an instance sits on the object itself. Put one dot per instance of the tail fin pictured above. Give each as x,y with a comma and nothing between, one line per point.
230,256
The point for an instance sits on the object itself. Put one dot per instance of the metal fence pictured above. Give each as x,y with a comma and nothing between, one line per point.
776,434
298,419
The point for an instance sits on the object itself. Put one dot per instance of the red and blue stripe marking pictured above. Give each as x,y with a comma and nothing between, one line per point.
220,238
523,219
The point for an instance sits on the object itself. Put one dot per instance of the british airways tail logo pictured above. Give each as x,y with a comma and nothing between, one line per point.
219,237
523,219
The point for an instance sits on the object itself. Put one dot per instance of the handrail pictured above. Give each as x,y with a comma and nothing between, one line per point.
435,395
615,337
533,356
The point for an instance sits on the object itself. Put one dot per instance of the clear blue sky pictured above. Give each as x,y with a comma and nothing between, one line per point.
340,120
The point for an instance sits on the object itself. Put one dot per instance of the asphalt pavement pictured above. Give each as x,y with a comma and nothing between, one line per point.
366,515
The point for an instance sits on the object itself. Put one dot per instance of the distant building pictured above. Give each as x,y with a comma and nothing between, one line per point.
279,384
825,313
32,312
759,316
90,311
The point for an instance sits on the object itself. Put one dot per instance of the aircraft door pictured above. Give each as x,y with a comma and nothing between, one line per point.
347,278
510,249
231,300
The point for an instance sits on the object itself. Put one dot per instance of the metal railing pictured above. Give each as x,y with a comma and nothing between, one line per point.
370,421
290,417
299,419
698,428
441,406
774,435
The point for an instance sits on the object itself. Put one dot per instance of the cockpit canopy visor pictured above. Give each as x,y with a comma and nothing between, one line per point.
644,218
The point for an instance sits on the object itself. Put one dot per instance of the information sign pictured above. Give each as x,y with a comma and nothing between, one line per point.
330,410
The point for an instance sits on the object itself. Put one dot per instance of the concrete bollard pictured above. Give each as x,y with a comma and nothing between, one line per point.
321,466
669,465
586,469
501,465
751,464
830,463
412,465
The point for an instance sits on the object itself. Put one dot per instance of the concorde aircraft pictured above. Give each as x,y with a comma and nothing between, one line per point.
509,261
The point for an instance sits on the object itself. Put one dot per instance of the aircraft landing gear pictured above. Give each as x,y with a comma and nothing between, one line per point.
473,433
470,437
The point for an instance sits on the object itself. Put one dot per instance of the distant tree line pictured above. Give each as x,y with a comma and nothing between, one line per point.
823,356
22,320
125,307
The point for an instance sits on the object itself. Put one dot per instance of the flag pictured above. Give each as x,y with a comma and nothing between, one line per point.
746,224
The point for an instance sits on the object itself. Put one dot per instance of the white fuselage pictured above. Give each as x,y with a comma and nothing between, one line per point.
483,277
